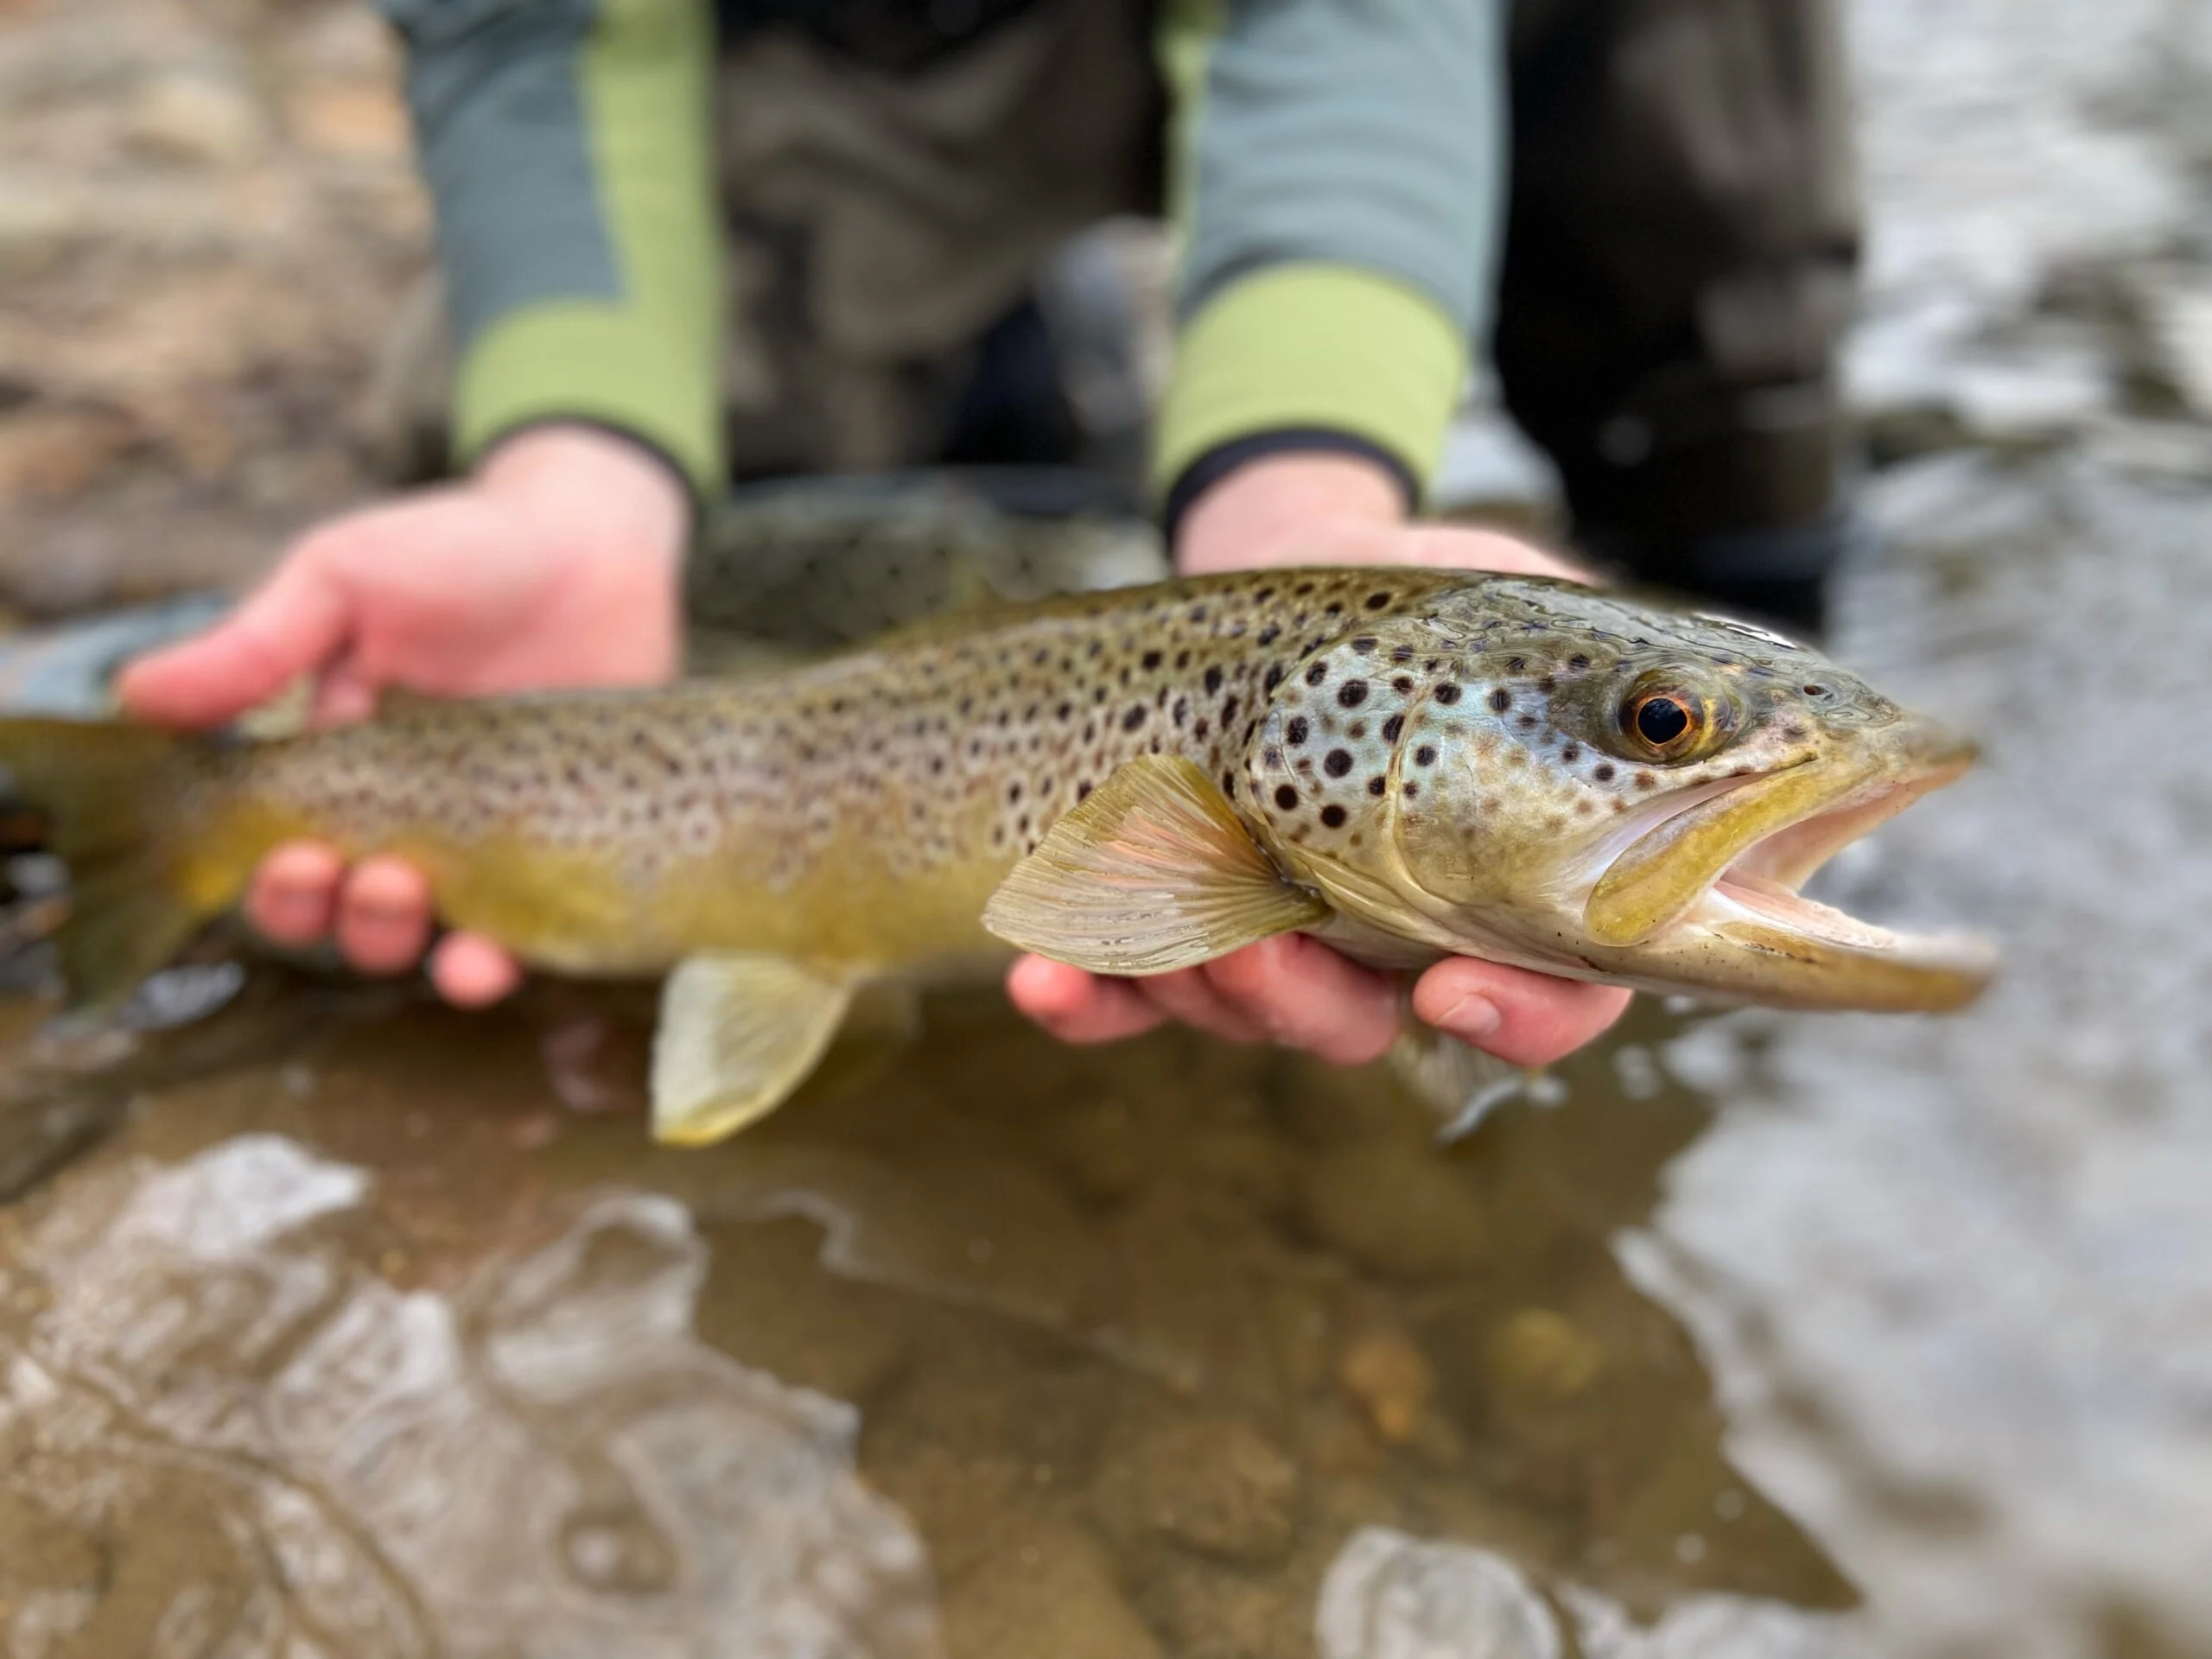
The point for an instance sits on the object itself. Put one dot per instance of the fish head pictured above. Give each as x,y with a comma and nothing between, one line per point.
1538,774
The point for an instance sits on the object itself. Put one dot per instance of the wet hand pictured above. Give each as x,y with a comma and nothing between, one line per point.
1327,509
558,564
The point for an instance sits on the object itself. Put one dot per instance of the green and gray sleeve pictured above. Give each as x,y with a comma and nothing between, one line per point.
1337,176
566,143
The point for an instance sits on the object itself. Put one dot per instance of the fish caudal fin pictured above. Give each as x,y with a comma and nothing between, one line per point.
115,796
737,1035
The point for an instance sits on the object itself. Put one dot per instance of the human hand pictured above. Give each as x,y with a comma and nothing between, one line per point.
556,564
1315,509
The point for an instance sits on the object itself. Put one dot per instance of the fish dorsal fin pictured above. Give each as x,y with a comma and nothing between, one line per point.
1154,871
737,1035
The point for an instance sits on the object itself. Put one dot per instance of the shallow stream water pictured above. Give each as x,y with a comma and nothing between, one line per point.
367,1328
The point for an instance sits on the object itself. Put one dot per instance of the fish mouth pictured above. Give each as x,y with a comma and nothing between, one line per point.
1709,894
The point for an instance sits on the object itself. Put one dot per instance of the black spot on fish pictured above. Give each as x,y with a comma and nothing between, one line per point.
1013,794
1392,727
1332,816
1603,773
1376,601
1228,782
1213,679
1151,659
1402,683
1267,635
1352,693
1525,722
1514,664
1578,662
1318,673
1448,694
1571,754
1501,699
1273,679
1182,659
1065,711
1082,790
1297,729
1228,711
1364,645
1197,612
1411,790
1337,762
1286,797
1377,784
1182,711
1425,756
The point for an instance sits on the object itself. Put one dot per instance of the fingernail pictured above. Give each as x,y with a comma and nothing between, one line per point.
1472,1017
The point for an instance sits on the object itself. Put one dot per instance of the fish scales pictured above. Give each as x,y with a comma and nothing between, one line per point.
1407,763
881,793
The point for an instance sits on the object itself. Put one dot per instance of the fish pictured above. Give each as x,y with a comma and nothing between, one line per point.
1405,763
814,563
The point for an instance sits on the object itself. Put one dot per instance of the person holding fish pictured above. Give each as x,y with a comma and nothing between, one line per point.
682,243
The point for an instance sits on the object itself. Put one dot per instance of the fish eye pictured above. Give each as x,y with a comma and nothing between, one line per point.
1668,723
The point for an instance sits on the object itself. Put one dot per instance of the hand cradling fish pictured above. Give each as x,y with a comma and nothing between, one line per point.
1407,764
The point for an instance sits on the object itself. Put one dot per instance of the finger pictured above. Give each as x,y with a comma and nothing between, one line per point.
1190,996
472,972
1301,993
384,916
344,694
1528,1019
1487,550
1076,1006
294,893
295,621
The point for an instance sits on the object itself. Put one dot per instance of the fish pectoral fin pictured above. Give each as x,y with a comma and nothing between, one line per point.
737,1035
1153,872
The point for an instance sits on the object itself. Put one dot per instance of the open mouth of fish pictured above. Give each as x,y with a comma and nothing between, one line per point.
1723,871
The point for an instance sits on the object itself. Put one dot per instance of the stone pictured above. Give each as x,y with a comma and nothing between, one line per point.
196,118
1213,1485
1389,1595
1392,1379
1054,1594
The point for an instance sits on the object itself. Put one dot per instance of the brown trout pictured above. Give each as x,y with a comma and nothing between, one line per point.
1404,763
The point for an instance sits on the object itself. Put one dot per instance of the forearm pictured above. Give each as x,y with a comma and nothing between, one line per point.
1337,174
566,147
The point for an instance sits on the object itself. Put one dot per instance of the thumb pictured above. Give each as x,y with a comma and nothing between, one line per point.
295,621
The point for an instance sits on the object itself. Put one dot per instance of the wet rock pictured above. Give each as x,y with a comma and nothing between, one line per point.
1391,1596
1392,1379
1054,1594
1540,1360
1214,1485
1396,1207
1713,1627
1210,1611
2178,314
196,118
547,1460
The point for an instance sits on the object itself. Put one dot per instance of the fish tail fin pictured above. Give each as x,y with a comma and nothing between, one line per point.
122,802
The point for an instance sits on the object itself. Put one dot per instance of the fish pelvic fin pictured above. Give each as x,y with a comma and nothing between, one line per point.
737,1034
1153,872
122,804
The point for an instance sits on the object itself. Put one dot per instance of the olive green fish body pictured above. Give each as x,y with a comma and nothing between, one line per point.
858,812
1406,762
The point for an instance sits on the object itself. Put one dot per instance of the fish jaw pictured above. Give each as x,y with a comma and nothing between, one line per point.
1706,900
